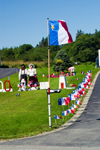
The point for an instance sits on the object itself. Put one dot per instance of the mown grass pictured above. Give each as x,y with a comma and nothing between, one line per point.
27,115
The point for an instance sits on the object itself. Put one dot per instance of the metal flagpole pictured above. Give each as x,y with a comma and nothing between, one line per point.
49,105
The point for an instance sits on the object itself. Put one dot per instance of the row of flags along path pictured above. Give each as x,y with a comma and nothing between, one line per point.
75,96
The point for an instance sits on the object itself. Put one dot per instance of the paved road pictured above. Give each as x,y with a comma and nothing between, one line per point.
4,72
83,134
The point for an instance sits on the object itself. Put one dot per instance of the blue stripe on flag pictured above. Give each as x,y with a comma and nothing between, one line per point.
53,32
59,101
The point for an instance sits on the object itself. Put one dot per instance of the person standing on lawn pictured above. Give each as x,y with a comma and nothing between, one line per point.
33,81
71,70
97,62
23,73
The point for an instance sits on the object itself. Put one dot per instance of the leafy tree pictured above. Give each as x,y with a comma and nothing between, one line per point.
25,47
84,48
61,61
85,55
8,54
79,33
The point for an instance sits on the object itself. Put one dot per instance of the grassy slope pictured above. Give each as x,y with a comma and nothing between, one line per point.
27,115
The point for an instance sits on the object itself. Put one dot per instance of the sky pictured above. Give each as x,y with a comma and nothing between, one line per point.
25,21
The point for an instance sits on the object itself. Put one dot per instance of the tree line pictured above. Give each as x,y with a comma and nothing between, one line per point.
83,49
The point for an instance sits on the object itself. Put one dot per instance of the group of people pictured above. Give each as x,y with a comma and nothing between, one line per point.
31,72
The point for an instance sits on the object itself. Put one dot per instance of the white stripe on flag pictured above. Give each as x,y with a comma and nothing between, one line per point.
62,35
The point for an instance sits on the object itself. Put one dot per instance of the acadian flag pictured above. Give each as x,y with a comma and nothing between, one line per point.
67,100
71,96
89,71
77,79
57,117
74,74
72,110
43,75
68,111
74,106
64,113
78,102
82,72
62,101
82,91
67,74
58,33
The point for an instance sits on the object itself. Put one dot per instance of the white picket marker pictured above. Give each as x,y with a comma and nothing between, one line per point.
1,90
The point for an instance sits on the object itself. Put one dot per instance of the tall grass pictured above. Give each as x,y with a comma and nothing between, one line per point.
27,115
14,64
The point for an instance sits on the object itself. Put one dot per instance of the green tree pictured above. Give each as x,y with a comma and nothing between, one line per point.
79,33
85,55
61,61
25,47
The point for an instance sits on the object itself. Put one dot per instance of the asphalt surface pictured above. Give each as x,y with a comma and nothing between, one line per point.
82,132
4,72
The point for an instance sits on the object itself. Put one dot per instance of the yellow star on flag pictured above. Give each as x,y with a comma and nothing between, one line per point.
52,27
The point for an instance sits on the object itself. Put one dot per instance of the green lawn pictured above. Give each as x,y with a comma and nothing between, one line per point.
27,115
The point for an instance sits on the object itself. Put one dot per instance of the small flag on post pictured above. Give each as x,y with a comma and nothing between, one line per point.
62,101
71,96
57,117
77,79
74,74
72,110
67,74
74,106
82,72
8,78
68,111
64,113
43,75
58,33
78,102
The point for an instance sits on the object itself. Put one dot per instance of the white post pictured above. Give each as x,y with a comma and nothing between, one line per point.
2,85
49,105
99,56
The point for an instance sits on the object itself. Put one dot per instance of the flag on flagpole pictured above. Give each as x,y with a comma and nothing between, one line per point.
57,117
64,113
71,96
78,102
62,101
77,79
68,111
43,75
72,110
74,106
58,33
82,72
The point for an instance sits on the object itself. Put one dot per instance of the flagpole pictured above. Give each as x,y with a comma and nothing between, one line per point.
49,105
